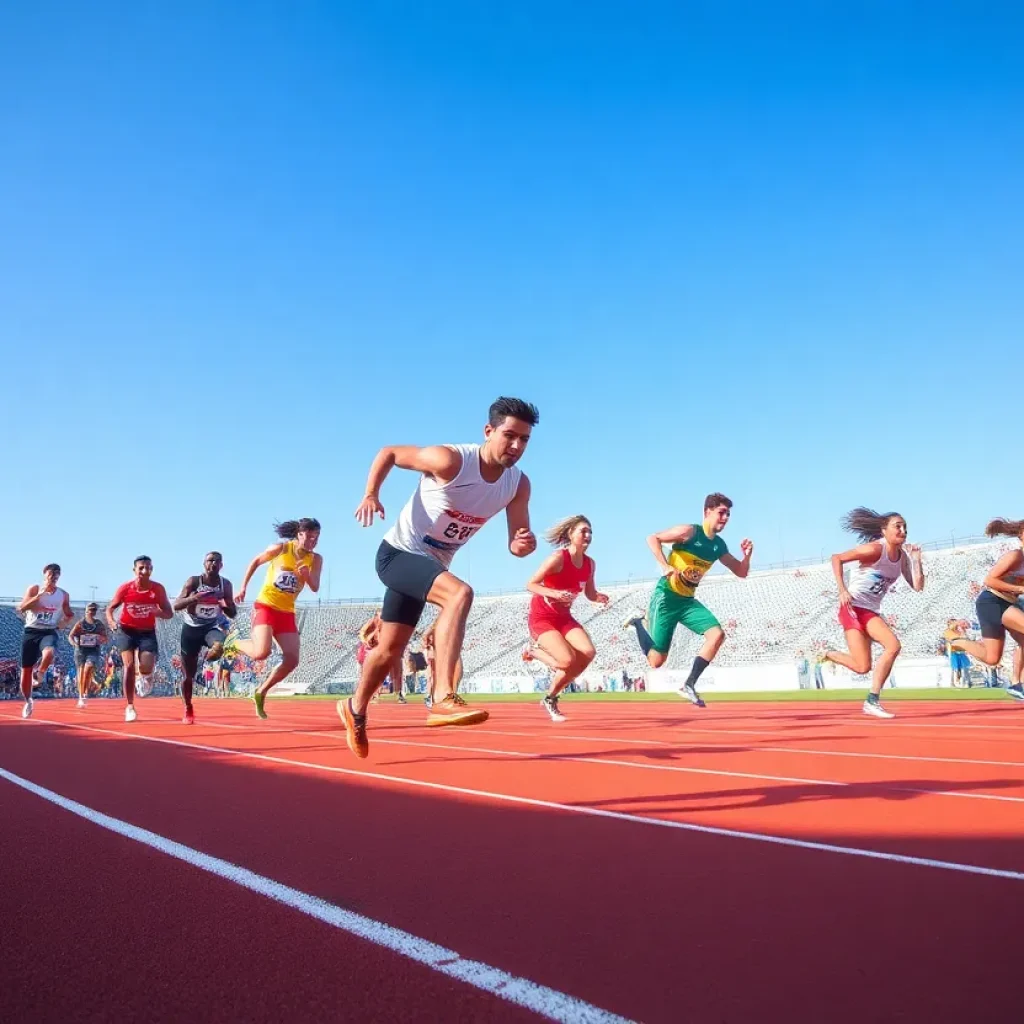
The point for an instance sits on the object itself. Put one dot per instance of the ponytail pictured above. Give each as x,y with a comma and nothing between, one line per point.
291,528
866,523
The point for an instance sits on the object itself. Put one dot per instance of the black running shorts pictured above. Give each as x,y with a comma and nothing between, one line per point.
34,642
408,579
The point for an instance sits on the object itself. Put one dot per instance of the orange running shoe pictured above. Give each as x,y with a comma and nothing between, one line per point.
355,728
453,710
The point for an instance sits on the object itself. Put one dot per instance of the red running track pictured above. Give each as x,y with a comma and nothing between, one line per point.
619,858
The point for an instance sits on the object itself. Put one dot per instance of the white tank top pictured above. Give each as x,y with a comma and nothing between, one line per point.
870,583
47,612
1015,577
206,610
439,518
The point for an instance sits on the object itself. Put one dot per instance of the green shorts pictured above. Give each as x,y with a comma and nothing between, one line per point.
667,610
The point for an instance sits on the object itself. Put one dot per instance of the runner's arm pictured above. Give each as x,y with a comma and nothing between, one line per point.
69,615
995,580
439,461
737,566
74,633
261,559
866,554
32,595
189,594
312,575
536,581
912,569
521,541
166,611
228,600
115,602
673,535
591,591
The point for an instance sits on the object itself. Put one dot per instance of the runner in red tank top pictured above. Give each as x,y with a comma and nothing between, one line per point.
560,642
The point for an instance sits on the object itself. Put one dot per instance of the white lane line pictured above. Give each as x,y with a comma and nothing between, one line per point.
591,812
548,1002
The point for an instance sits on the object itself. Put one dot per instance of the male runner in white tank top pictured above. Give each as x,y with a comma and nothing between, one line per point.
46,609
461,487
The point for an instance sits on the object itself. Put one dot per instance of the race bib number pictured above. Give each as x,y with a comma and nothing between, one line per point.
452,530
286,581
207,611
141,611
879,584
88,639
46,617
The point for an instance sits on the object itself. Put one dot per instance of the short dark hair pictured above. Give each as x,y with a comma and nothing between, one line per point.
142,558
516,408
716,499
52,567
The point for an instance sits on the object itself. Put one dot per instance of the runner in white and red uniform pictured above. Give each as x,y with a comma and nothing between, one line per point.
881,560
142,601
46,608
461,487
560,642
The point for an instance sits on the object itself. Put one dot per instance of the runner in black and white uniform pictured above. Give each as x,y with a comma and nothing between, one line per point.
88,637
461,488
202,601
998,607
46,609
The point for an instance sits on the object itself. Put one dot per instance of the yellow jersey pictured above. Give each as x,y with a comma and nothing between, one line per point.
282,585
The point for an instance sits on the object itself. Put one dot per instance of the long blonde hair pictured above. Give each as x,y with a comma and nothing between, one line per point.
1005,528
558,535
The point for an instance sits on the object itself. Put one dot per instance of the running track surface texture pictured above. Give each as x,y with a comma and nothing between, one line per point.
649,862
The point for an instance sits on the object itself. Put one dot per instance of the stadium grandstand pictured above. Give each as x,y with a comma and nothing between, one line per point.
775,621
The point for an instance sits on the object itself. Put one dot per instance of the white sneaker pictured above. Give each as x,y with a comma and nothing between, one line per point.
26,711
129,713
874,708
81,702
550,705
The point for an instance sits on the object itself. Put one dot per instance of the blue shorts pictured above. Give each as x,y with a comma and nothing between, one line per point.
959,662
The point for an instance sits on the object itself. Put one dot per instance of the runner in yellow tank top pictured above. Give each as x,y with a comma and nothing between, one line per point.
291,566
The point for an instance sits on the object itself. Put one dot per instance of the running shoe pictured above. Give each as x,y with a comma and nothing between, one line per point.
401,699
428,702
874,707
81,703
230,645
633,620
26,711
355,728
129,713
1016,692
453,710
190,717
550,705
689,692
258,699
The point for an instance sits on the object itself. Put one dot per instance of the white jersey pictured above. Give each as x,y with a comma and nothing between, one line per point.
870,583
47,612
439,518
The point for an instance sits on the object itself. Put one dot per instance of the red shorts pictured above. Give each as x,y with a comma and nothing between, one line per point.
544,619
851,617
280,622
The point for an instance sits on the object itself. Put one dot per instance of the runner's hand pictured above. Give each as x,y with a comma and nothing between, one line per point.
368,508
845,600
913,550
601,599
747,547
302,571
523,543
240,596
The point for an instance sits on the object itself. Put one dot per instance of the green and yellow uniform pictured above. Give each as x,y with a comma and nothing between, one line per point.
673,602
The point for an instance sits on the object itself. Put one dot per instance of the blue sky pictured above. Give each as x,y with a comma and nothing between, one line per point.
770,249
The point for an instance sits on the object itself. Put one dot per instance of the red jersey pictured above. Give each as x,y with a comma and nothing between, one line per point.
139,607
567,577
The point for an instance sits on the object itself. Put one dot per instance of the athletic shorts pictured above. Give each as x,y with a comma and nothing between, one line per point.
958,661
989,610
195,638
34,642
852,617
545,619
141,640
280,622
668,610
88,656
408,579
